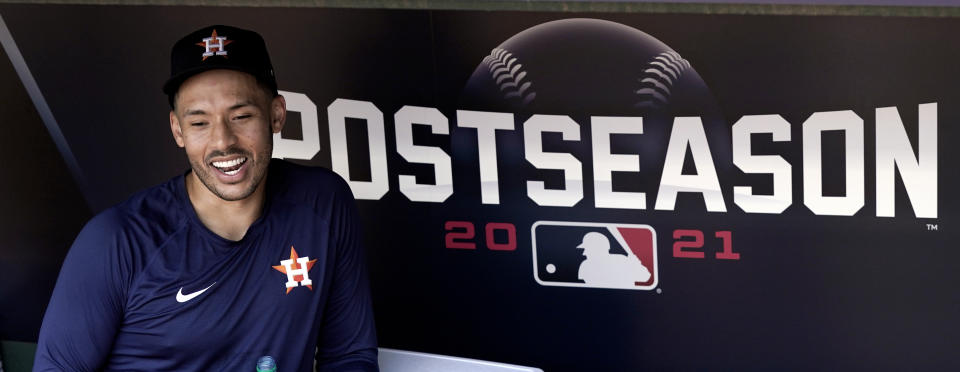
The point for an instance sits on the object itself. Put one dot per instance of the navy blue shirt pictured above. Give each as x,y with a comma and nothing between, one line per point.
146,286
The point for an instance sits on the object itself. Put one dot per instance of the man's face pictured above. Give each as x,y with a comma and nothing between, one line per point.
225,122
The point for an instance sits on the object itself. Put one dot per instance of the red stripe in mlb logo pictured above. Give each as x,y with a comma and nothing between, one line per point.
594,255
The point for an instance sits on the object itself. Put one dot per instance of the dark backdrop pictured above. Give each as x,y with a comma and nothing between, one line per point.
808,292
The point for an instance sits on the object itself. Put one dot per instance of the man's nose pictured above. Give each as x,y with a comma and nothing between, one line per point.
223,135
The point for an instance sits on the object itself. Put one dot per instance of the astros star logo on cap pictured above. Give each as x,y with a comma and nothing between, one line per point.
214,48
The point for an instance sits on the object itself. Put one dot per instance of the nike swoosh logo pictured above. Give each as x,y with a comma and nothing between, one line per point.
184,298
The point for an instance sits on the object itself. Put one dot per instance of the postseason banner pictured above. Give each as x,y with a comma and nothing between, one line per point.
575,192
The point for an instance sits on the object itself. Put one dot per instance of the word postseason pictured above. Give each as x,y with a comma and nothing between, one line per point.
894,156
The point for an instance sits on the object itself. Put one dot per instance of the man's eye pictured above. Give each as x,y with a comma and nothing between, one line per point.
198,124
241,117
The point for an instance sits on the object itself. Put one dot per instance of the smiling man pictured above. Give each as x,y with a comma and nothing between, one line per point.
240,257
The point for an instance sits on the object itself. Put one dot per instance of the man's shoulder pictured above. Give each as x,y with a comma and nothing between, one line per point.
146,214
306,182
293,171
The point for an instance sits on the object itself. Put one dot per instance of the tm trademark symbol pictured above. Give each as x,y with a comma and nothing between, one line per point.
931,227
659,291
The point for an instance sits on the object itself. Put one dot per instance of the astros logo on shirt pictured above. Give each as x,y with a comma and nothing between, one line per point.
297,270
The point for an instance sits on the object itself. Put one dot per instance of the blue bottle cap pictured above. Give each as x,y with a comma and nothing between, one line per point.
266,363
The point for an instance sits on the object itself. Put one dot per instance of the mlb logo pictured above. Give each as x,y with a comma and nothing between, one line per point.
594,255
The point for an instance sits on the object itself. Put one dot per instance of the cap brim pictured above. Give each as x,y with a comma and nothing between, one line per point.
173,84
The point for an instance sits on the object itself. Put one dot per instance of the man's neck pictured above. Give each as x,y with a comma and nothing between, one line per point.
228,219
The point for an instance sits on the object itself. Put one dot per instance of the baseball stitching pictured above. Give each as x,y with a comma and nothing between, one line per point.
508,73
661,73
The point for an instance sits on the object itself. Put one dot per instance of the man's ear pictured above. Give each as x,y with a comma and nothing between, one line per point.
175,128
278,113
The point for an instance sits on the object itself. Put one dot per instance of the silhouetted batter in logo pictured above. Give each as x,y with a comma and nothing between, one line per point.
604,269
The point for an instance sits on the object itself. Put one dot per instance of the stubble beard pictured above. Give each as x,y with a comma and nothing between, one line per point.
258,170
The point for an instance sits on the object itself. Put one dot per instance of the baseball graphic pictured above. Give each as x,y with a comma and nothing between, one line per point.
584,68
587,65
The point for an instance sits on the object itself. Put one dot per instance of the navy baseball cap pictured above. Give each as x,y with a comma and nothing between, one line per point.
219,47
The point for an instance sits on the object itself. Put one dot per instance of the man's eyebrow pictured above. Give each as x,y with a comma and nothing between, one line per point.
195,112
241,104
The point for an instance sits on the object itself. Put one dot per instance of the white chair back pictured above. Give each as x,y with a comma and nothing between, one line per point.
392,360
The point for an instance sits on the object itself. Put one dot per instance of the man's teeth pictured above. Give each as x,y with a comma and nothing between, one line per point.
230,167
229,163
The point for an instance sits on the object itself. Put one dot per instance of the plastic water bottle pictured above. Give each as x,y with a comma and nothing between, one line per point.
266,364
